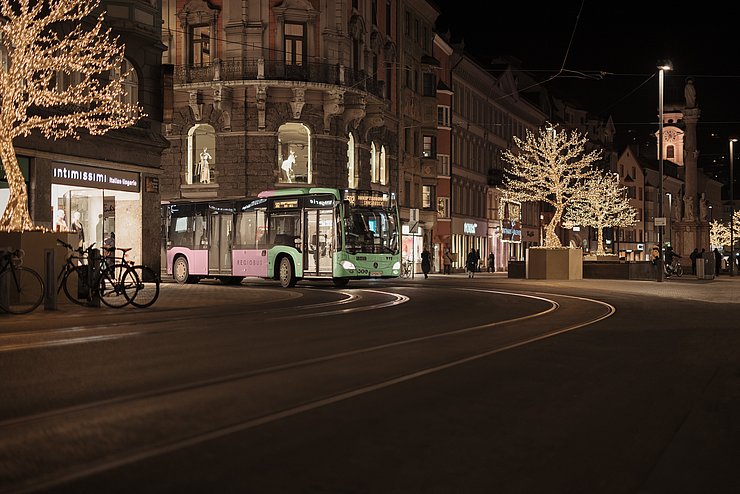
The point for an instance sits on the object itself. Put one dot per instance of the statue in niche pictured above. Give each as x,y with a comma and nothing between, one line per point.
287,167
688,203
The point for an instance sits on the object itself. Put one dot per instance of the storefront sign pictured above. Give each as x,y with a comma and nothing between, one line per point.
470,228
98,178
151,184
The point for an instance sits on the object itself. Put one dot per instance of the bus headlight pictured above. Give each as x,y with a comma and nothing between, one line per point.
397,265
349,266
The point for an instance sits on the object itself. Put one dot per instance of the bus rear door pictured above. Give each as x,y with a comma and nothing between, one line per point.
222,237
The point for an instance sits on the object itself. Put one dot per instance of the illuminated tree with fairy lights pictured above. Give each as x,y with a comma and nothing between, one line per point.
604,205
551,167
719,234
58,75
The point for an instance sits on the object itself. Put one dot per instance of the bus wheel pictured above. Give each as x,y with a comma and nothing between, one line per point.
181,271
340,282
286,274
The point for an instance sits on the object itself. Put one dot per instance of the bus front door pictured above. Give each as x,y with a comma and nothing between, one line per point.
219,251
319,248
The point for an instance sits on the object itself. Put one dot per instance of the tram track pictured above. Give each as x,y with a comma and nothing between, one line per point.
299,379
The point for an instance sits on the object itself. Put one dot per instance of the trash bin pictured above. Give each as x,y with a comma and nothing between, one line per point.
705,268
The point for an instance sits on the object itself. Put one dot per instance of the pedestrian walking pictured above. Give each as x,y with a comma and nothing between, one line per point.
717,261
471,263
491,263
693,256
426,263
447,261
477,260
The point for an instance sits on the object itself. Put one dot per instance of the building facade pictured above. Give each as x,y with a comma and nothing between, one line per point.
264,95
102,184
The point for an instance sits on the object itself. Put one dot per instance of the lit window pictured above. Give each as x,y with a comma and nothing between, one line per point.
294,154
201,154
351,163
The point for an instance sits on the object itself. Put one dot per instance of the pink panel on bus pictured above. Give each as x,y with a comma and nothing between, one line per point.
249,262
197,260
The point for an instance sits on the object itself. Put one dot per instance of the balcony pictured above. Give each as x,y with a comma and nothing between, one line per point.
271,70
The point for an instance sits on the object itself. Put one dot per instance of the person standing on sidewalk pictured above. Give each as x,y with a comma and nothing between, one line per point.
471,263
426,263
491,263
447,261
717,261
693,256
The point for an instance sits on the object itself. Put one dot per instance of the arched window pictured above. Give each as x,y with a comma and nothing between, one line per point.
351,168
294,154
374,169
130,83
383,167
670,152
201,154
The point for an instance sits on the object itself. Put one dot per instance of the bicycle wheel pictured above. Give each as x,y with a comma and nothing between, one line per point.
75,286
679,270
24,288
147,284
116,288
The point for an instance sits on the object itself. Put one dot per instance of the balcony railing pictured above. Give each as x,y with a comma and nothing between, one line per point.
260,69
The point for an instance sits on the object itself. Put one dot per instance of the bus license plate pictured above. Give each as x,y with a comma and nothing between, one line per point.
376,273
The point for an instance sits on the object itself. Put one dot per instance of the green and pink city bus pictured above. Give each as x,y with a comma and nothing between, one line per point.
287,235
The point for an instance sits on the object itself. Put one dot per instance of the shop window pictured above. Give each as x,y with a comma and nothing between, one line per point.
201,154
351,162
294,154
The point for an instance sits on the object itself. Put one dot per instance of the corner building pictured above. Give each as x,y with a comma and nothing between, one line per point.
270,94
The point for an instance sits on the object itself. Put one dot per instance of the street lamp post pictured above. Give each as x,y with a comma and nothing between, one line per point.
662,67
732,212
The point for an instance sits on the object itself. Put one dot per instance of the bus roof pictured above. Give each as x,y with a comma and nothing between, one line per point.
301,192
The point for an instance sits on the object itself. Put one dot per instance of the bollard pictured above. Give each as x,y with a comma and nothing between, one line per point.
50,295
93,275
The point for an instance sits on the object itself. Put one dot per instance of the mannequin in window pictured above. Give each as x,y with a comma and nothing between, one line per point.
287,167
204,168
61,222
77,227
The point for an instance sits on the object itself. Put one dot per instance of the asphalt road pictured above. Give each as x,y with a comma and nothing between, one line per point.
445,385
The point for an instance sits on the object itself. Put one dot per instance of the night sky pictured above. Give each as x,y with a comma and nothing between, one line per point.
609,52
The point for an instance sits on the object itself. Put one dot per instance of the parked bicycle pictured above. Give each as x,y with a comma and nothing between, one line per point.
406,267
81,282
142,277
21,288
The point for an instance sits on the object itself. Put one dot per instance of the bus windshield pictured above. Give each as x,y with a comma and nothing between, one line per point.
370,230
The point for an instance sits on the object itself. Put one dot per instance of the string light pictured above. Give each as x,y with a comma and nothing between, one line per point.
719,233
38,54
604,205
551,167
